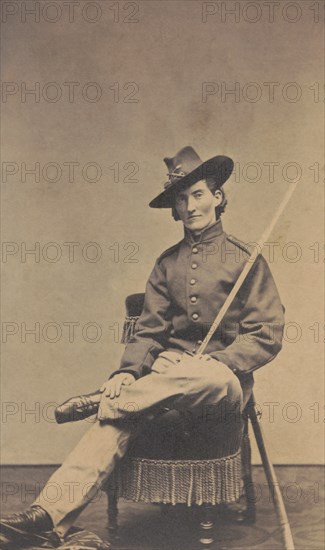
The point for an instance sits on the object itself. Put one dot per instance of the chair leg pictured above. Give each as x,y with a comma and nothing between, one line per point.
111,490
288,543
243,511
250,512
206,527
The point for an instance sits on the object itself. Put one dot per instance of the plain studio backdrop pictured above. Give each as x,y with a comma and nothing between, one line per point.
118,87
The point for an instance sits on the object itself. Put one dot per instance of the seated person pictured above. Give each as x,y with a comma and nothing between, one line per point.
186,289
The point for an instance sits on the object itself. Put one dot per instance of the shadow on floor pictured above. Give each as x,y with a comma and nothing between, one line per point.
145,527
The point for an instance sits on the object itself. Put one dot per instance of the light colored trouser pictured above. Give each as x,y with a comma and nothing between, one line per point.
186,386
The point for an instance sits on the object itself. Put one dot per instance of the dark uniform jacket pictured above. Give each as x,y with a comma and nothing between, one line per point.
186,289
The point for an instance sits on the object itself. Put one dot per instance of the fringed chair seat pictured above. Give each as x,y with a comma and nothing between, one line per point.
178,461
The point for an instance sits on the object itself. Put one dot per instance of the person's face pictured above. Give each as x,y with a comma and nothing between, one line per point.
196,205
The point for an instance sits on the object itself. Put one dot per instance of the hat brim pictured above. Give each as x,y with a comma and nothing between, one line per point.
218,169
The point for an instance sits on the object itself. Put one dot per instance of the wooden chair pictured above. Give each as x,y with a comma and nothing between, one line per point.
163,466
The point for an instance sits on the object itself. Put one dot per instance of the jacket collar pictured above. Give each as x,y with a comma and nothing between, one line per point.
207,234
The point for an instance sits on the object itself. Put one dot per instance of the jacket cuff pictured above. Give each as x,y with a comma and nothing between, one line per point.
141,366
135,373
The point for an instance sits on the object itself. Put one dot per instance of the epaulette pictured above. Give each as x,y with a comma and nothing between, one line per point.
239,243
168,251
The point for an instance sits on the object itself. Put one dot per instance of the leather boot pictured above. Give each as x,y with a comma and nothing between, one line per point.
34,526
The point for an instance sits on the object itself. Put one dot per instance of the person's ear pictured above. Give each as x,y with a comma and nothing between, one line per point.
218,197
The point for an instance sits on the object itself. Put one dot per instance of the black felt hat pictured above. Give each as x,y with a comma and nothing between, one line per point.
185,169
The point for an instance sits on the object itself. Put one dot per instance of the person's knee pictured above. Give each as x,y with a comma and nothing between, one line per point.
221,383
219,376
234,389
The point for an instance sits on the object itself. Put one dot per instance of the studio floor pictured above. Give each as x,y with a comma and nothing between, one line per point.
144,527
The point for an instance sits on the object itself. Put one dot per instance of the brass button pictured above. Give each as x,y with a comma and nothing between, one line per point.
194,265
195,316
193,299
195,250
199,342
172,332
192,281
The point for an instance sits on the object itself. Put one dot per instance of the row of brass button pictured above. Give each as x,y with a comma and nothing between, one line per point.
193,299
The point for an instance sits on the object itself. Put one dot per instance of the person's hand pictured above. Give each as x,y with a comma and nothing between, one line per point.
112,388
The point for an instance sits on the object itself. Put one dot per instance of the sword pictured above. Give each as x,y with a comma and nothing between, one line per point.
248,266
270,474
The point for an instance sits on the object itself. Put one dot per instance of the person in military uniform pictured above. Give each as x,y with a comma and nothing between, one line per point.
186,289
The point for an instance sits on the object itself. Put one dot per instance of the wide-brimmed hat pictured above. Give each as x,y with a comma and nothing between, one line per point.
186,168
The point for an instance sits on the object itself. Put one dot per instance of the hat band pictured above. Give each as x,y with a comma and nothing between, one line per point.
173,177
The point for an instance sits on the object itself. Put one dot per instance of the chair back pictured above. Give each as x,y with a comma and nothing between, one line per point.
134,306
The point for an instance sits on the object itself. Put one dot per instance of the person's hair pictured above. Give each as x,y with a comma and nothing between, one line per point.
212,185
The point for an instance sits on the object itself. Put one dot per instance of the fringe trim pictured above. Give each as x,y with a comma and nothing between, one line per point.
181,481
128,329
